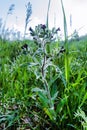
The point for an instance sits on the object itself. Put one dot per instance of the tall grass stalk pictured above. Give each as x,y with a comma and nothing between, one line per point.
66,56
10,11
28,14
66,46
47,19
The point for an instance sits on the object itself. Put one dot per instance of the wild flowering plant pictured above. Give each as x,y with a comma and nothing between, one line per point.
43,36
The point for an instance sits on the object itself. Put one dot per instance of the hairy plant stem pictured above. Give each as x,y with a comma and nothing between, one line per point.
44,62
43,75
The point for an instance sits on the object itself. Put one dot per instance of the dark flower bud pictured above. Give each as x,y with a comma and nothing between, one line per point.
62,49
30,29
25,46
34,38
58,29
43,26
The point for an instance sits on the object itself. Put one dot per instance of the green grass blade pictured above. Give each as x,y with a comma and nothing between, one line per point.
66,45
47,19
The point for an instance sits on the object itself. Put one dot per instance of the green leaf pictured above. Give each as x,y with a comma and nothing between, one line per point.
43,99
51,113
53,79
83,100
2,118
61,104
54,96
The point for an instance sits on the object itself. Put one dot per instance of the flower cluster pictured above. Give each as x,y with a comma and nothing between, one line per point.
42,33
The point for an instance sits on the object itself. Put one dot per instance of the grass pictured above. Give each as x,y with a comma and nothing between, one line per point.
22,89
41,90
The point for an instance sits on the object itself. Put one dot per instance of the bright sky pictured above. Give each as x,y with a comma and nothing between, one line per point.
76,8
